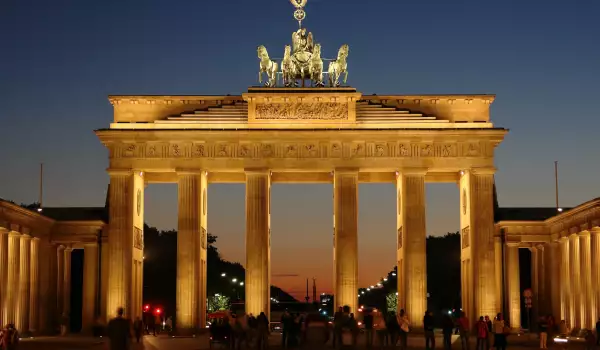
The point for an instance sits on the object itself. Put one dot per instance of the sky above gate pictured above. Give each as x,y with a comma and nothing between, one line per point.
60,59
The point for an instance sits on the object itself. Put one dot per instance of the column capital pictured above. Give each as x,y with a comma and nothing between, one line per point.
595,230
412,172
68,249
563,239
257,171
182,172
513,244
584,233
573,236
483,171
350,171
35,239
12,233
25,237
3,230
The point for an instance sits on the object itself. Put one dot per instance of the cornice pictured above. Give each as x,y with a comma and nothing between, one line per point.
26,214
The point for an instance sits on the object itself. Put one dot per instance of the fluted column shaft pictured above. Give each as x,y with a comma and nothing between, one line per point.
67,282
595,272
34,290
588,318
104,281
535,288
12,278
345,211
554,279
542,297
565,292
412,234
60,273
22,319
3,271
90,285
513,284
258,242
575,276
478,254
125,243
191,238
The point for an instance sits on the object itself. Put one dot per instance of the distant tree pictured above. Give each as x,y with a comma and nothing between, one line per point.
391,302
32,206
218,303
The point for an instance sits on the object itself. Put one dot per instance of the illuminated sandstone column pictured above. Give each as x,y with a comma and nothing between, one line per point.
12,278
513,284
190,236
60,276
541,262
67,282
587,302
90,285
554,280
498,254
535,287
46,287
258,242
411,199
22,319
595,272
345,211
34,290
3,270
565,293
575,278
125,242
104,281
477,238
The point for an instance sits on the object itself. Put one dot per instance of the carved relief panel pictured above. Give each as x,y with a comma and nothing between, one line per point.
464,234
138,238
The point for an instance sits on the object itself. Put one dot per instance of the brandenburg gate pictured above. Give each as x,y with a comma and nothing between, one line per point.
296,134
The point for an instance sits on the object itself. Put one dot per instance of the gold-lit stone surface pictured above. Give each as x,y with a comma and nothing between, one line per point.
514,290
3,270
34,291
90,283
12,278
575,278
22,319
595,277
67,281
585,250
60,272
345,211
258,242
190,242
411,199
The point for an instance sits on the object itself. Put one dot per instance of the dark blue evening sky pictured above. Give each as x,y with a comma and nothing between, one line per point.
60,59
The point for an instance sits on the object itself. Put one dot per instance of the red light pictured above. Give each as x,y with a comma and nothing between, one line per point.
147,307
158,311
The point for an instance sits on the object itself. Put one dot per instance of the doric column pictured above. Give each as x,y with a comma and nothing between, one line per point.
191,238
258,242
12,278
22,319
535,288
595,272
47,287
575,278
477,238
553,262
104,281
3,270
565,290
60,281
411,238
498,254
67,282
513,284
90,285
125,242
345,212
34,290
588,318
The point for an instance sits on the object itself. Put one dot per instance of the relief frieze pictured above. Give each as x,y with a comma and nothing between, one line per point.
316,149
302,110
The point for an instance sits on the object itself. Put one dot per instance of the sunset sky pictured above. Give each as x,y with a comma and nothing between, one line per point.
60,59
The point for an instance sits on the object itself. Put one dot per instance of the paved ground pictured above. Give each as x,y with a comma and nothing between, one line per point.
201,343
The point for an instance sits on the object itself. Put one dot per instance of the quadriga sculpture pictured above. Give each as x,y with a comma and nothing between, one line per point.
267,66
339,67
